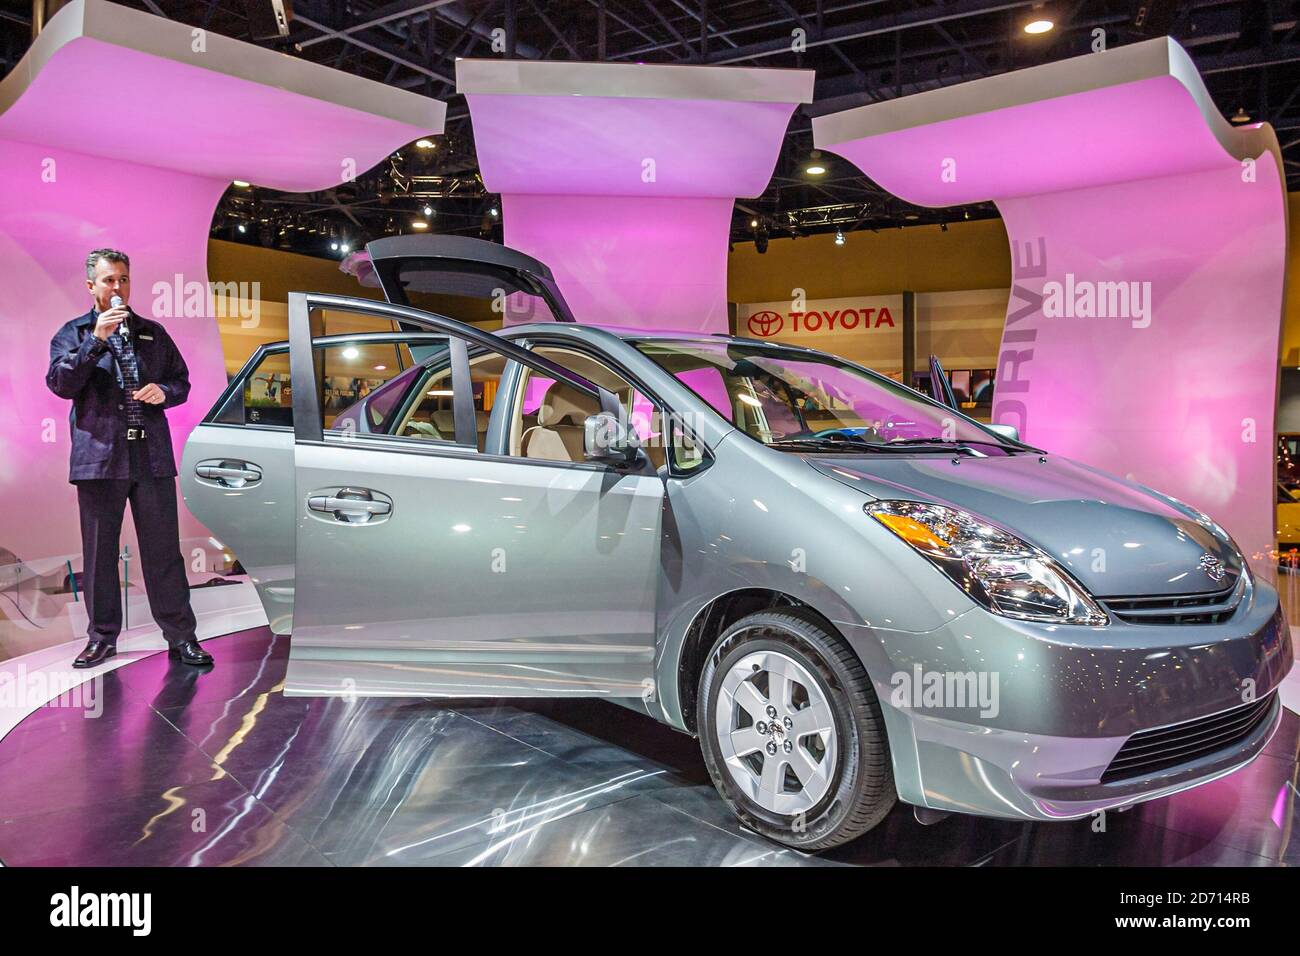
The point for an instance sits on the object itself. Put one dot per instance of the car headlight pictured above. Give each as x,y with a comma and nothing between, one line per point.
1006,574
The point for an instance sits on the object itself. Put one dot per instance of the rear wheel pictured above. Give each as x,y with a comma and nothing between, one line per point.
791,731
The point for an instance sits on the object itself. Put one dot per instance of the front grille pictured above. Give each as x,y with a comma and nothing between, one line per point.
1213,608
1150,751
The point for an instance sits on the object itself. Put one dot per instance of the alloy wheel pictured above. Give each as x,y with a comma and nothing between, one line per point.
776,732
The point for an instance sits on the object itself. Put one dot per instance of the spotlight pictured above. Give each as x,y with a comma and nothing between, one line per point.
428,210
334,246
424,143
1038,26
243,228
815,167
839,237
753,224
240,183
1239,117
494,212
344,247
419,224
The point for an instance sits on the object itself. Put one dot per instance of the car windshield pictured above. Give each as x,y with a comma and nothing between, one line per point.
793,399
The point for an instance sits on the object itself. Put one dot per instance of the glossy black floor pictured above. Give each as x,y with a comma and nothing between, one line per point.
220,768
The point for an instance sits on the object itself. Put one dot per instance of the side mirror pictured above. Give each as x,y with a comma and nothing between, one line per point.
605,438
1006,431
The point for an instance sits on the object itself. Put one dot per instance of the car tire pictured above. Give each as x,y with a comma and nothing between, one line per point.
828,789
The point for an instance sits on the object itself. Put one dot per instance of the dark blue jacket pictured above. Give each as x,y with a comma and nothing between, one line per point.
83,369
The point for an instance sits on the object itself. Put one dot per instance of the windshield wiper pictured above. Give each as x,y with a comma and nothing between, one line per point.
854,444
1009,449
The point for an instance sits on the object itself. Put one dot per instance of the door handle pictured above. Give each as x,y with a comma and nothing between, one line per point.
229,473
350,505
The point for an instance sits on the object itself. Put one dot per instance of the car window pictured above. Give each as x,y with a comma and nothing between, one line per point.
795,397
426,408
547,419
352,370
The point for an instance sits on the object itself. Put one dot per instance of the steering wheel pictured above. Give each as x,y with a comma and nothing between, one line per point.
843,434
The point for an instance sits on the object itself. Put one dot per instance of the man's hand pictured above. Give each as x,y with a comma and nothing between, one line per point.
108,322
150,394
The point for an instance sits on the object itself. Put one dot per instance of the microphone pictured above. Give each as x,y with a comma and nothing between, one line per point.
116,302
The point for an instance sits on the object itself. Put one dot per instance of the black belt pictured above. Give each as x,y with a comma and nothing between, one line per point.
132,434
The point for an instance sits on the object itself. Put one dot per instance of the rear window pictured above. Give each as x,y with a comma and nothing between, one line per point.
352,371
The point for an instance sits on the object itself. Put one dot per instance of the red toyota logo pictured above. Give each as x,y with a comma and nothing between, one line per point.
764,324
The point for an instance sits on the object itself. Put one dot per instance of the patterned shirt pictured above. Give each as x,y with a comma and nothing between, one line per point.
124,352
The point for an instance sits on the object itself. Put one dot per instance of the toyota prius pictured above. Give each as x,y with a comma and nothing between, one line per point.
851,594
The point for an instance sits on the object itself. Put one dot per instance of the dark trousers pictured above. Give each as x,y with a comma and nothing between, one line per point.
153,509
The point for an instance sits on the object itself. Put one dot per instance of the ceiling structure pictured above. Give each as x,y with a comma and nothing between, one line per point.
863,51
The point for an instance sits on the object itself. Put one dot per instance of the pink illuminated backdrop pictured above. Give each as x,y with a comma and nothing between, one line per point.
145,176
1117,178
622,177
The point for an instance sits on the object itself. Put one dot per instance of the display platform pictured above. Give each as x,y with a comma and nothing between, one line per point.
183,767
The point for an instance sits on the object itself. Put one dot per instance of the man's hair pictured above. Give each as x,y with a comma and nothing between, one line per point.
111,255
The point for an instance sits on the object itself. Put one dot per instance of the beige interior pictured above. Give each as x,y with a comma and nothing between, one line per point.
432,417
555,431
558,434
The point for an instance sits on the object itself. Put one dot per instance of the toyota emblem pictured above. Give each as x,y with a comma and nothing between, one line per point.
1213,567
765,324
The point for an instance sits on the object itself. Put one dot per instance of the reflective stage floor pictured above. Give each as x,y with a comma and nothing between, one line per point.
219,768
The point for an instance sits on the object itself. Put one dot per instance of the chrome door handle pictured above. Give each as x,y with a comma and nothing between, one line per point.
229,473
350,505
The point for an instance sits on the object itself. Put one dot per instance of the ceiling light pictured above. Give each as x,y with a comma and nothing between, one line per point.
240,183
1038,26
350,352
839,237
380,368
419,224
424,143
1239,117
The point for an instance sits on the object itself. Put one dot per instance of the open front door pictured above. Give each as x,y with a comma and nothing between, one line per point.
940,387
431,562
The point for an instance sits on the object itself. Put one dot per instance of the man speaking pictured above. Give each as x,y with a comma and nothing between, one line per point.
121,370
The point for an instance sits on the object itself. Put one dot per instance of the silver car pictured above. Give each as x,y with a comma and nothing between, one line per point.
852,594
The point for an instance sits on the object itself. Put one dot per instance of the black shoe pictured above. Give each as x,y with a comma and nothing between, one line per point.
96,652
189,652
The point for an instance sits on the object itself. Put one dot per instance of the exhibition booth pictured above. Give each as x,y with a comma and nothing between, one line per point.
393,733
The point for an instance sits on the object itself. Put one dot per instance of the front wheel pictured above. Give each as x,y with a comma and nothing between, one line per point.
792,734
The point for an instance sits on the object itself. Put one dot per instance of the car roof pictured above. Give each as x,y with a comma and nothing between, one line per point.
637,334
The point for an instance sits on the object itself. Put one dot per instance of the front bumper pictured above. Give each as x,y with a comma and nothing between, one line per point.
1056,704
